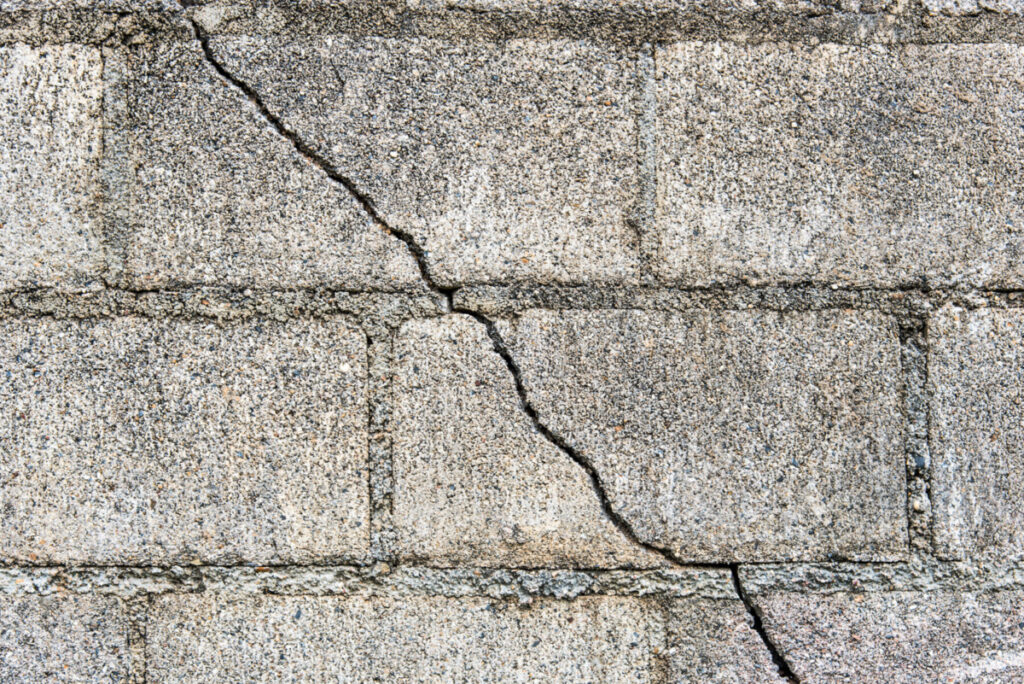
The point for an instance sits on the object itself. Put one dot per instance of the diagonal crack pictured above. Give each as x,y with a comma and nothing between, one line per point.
500,348
307,151
419,254
785,671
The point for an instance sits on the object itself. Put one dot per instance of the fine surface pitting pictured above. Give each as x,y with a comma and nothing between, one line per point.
486,339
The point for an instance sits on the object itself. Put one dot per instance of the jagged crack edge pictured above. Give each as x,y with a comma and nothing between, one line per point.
419,254
785,671
307,151
502,350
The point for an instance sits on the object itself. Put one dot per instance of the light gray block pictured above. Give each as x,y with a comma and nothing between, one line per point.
134,441
968,7
475,482
220,198
272,639
731,436
899,637
714,641
976,376
50,143
862,166
63,638
510,162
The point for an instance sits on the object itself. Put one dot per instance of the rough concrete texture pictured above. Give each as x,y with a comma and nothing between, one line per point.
50,102
976,374
646,7
219,198
272,639
968,7
511,340
733,436
510,162
860,166
714,641
63,638
475,482
134,441
899,637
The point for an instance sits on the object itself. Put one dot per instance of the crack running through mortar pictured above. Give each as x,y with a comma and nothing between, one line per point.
500,348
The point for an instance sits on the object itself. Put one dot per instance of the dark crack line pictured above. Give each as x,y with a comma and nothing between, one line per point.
419,255
303,148
595,478
785,671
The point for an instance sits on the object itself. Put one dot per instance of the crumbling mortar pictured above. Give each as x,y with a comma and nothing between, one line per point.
914,367
619,25
136,583
379,449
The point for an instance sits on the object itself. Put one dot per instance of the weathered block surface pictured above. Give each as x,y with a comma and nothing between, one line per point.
99,5
135,441
899,636
865,166
714,641
968,7
475,483
976,371
50,100
508,163
265,638
62,638
732,436
221,198
542,8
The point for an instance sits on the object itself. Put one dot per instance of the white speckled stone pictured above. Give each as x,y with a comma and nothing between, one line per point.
899,637
731,436
62,638
714,641
864,166
50,144
508,162
137,441
212,638
475,482
976,372
220,198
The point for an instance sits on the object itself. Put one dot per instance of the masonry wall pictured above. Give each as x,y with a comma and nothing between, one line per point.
509,340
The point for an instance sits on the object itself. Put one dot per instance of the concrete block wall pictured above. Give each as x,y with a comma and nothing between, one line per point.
508,340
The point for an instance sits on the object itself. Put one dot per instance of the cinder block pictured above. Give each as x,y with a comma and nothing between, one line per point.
899,637
273,638
715,641
512,162
475,482
50,144
976,373
218,197
63,638
731,436
862,166
137,441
